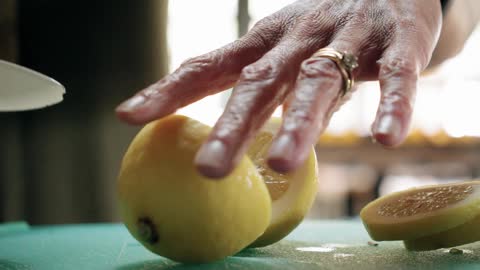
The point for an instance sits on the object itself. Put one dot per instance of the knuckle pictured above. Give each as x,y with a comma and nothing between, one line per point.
198,64
406,24
265,22
296,119
300,115
268,31
259,72
316,68
371,17
399,102
317,25
398,67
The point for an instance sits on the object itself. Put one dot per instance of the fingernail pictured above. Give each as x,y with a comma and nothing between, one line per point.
389,125
212,160
281,153
388,130
132,103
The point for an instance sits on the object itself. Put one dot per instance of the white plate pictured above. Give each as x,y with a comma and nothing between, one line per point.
24,89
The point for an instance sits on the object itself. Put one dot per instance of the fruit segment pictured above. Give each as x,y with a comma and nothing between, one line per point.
292,194
418,212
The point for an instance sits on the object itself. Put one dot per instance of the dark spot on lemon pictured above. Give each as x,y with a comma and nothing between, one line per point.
147,230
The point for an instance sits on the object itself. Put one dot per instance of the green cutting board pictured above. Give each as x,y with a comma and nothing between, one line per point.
313,245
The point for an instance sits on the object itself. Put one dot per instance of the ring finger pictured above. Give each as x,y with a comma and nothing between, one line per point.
317,94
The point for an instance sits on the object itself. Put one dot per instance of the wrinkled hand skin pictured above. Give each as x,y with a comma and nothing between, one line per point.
272,64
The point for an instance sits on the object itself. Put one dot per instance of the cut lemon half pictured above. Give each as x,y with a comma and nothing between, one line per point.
292,194
177,213
418,212
464,234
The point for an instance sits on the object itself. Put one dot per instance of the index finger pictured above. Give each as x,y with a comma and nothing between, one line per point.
193,80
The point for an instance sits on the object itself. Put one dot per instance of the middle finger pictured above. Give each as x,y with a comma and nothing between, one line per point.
262,86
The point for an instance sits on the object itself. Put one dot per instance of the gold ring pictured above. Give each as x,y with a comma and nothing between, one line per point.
346,63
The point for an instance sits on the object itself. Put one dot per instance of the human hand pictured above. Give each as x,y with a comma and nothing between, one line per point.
273,63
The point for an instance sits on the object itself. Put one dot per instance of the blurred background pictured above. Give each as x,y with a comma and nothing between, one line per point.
59,164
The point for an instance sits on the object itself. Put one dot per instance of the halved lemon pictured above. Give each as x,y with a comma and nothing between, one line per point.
464,234
418,212
292,194
177,213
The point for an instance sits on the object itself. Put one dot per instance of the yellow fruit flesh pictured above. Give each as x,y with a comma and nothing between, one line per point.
277,183
468,232
424,201
292,194
175,212
419,212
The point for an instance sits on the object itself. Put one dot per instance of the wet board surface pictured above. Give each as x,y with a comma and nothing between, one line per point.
313,245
